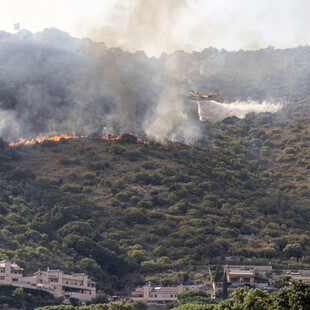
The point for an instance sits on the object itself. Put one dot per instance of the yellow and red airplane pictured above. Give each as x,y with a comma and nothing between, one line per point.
193,95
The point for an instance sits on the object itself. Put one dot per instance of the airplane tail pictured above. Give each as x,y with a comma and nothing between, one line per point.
216,92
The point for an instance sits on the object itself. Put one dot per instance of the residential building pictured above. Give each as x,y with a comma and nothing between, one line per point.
239,276
10,272
75,285
299,275
296,277
161,294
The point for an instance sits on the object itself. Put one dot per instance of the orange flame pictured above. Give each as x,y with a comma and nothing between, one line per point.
111,138
64,136
53,138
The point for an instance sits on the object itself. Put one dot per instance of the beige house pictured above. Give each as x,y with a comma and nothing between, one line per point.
300,275
239,276
75,285
160,294
10,272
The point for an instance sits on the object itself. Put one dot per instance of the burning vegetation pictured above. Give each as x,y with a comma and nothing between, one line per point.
123,138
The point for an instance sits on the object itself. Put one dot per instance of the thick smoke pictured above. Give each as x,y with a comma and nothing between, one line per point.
169,119
51,83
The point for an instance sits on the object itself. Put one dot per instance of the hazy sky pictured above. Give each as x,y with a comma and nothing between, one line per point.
157,26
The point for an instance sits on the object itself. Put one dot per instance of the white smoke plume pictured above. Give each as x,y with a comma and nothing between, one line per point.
170,121
213,111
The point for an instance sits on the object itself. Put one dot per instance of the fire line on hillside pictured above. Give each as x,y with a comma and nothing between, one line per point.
124,137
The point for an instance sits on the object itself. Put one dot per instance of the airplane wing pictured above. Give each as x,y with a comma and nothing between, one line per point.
215,93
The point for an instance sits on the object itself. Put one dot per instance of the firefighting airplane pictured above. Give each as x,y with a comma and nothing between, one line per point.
193,95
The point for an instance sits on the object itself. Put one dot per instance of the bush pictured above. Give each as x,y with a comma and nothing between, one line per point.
89,176
123,196
69,161
133,155
145,204
148,179
136,218
71,188
117,149
97,166
18,175
149,165
87,190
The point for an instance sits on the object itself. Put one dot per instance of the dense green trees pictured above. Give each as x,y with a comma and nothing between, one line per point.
24,298
170,210
111,306
194,297
294,297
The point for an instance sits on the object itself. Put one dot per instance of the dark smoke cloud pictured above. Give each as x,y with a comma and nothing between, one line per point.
51,83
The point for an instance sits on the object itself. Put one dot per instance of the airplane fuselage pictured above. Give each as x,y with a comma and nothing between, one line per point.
200,97
193,95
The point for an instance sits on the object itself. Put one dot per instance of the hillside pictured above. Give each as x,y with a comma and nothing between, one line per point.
128,210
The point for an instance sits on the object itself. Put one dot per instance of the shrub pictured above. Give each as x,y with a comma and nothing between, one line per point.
97,166
149,165
117,149
87,190
132,155
71,188
145,204
19,175
69,161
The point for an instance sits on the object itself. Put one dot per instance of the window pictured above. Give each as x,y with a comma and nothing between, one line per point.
14,280
1,278
246,279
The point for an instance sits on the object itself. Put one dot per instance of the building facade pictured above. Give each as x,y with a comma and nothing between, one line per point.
160,294
10,272
75,285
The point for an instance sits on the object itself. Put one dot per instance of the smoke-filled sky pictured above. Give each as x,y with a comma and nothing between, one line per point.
157,26
52,82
